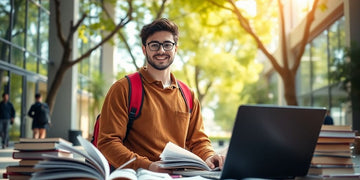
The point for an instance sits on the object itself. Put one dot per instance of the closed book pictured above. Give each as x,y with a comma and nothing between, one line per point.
334,154
338,134
19,169
17,175
333,147
28,162
40,154
331,170
336,128
36,146
331,160
335,140
32,140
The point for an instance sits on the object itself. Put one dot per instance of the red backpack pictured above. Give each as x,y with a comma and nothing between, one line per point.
136,97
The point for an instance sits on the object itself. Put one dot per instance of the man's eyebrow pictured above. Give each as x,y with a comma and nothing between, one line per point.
162,42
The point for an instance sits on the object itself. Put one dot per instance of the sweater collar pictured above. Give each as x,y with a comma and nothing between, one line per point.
149,79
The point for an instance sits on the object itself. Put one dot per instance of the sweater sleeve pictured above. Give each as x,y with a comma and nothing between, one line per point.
112,128
197,140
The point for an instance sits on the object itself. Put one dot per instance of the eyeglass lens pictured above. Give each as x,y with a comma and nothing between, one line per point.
155,46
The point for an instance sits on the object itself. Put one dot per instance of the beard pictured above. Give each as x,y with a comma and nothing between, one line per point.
162,65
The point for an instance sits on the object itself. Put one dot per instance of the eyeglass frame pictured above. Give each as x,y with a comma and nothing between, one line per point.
161,45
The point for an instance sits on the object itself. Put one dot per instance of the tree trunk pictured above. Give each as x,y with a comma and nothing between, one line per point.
288,79
58,78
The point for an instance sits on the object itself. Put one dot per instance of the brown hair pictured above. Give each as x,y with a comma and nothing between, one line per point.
161,24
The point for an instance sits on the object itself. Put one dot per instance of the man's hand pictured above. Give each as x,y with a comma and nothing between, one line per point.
154,166
216,160
12,121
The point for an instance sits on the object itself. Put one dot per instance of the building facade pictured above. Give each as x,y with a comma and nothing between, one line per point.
29,57
335,28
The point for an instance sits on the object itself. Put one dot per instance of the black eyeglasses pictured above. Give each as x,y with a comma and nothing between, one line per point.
155,46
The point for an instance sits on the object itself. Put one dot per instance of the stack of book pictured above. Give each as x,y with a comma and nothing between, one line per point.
333,152
29,152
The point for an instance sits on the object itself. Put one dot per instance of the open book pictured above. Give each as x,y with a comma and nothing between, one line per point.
175,157
91,165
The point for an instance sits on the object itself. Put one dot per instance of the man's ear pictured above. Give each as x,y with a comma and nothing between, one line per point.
143,49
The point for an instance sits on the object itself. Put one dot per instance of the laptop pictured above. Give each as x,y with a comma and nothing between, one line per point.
275,142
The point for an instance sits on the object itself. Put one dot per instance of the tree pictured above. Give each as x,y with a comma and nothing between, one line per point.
290,59
66,61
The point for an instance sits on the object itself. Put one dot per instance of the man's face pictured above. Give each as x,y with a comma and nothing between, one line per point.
160,59
6,97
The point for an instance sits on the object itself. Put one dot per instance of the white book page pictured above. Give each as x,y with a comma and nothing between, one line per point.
173,152
93,161
123,173
96,155
144,174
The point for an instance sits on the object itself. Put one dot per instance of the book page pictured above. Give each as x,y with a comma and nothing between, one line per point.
96,162
54,174
140,174
95,154
144,174
65,166
123,173
173,153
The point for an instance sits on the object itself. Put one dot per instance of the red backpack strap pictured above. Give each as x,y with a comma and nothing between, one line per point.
186,93
136,97
96,131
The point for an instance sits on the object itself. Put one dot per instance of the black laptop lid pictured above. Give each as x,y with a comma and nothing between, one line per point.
272,141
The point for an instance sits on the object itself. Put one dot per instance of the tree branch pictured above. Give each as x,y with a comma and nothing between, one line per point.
244,23
219,5
121,24
162,7
309,19
122,37
58,23
283,36
73,28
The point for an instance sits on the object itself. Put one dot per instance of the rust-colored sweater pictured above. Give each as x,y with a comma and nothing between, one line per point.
164,117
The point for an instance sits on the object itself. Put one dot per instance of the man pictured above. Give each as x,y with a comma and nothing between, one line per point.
164,115
7,115
328,119
39,112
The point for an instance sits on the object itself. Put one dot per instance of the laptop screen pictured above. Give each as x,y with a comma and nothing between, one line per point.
272,141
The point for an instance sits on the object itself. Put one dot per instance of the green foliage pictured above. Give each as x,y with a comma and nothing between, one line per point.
345,69
97,87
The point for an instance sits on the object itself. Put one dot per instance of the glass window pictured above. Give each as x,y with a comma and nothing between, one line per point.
19,29
16,91
17,57
44,33
43,67
32,27
31,63
4,53
305,71
305,100
319,61
338,94
4,18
